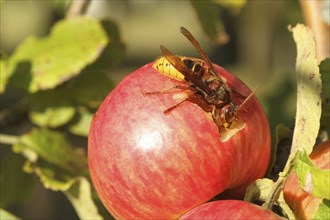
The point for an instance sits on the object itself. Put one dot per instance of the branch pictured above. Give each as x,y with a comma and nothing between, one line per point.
77,8
312,14
8,139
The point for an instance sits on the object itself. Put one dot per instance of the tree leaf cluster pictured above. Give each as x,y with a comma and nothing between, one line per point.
64,78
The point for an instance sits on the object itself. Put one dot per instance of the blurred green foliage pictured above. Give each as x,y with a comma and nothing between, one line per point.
58,74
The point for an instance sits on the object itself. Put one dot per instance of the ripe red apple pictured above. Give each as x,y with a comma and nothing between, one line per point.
304,205
229,209
147,165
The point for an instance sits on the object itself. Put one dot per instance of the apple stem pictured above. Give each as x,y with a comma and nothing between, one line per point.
278,185
275,192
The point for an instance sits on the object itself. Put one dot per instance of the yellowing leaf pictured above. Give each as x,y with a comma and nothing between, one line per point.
51,108
51,157
309,90
61,167
312,179
71,46
7,216
52,177
80,125
80,196
51,147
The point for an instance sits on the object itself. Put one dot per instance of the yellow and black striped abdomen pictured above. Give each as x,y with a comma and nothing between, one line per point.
167,69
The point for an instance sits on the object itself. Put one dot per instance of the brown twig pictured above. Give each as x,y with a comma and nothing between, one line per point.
77,8
312,13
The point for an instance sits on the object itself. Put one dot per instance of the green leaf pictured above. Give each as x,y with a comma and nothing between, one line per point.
53,148
4,215
312,179
80,125
309,91
323,211
325,75
90,88
51,108
80,196
61,168
52,158
208,16
11,179
51,176
71,46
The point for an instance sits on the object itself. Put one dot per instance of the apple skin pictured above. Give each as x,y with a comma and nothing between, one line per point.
145,164
303,204
229,209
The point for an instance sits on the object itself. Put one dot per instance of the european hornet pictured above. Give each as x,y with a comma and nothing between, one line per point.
208,89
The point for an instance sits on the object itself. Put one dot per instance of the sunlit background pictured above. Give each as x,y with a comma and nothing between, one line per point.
260,50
